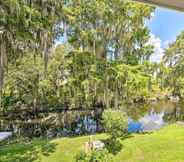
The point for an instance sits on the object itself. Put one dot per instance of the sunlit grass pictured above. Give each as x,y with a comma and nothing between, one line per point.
166,145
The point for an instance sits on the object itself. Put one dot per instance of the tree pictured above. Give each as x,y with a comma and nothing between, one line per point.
23,83
115,123
27,25
174,60
110,29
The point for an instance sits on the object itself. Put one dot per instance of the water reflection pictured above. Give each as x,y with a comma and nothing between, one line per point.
152,121
150,117
142,118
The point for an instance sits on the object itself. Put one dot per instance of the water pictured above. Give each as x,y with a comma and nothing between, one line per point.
147,123
141,118
87,123
5,135
153,116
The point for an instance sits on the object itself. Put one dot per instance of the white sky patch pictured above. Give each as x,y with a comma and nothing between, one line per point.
158,48
166,44
57,43
152,14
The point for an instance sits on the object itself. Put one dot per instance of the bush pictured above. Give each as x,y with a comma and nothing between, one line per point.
114,146
94,156
115,123
101,156
82,157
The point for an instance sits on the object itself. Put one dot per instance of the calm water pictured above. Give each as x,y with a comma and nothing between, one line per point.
4,135
150,117
142,118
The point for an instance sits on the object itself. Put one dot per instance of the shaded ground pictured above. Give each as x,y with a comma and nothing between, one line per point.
166,145
26,151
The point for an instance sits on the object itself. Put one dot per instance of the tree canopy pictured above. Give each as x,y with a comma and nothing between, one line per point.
103,38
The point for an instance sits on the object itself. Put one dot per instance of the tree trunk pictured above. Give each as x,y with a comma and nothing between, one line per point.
116,56
3,61
1,85
94,48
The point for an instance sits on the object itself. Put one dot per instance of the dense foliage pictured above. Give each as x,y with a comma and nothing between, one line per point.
174,61
115,123
94,156
69,67
107,41
74,79
27,25
102,60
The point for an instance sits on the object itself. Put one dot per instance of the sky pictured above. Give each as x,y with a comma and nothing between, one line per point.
165,25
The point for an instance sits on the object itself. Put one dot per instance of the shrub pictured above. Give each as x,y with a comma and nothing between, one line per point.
94,156
115,123
114,146
82,157
101,156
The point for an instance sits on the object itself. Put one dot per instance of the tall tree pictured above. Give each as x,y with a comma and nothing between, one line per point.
110,29
27,25
174,60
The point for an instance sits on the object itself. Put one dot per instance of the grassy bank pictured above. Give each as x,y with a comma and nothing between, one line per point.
166,145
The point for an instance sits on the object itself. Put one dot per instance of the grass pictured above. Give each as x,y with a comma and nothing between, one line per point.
166,145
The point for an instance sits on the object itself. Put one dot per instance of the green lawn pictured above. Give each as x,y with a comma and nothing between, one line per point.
166,145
